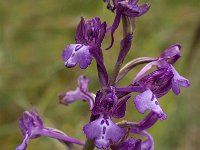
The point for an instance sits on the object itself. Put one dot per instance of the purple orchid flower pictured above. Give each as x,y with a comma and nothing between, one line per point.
89,37
166,73
106,131
31,126
127,8
81,93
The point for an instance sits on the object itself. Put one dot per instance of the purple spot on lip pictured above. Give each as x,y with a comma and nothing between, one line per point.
73,55
107,122
152,97
78,47
156,102
104,130
102,122
102,137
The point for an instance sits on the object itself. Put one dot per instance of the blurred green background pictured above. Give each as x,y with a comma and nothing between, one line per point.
33,34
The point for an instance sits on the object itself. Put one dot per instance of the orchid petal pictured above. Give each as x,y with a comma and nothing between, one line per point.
120,109
31,126
146,101
178,81
81,93
77,53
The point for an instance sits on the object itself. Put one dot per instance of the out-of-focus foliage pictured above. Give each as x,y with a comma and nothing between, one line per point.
32,37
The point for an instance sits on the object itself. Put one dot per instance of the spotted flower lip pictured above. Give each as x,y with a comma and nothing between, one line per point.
147,101
107,132
80,93
127,8
77,53
31,126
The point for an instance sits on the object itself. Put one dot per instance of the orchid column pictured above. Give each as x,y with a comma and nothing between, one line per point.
110,100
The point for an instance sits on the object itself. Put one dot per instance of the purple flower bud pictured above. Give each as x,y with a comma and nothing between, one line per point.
127,8
31,126
171,54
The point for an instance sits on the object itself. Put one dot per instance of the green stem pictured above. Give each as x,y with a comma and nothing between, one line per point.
89,145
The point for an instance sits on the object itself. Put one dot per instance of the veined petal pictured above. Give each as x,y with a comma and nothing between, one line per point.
178,81
103,131
144,70
81,93
146,101
77,53
133,10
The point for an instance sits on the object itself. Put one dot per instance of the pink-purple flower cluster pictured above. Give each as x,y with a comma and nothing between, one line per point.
110,101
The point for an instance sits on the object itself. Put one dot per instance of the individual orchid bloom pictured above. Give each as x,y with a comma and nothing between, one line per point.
165,77
127,8
81,93
89,37
147,101
106,131
31,126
